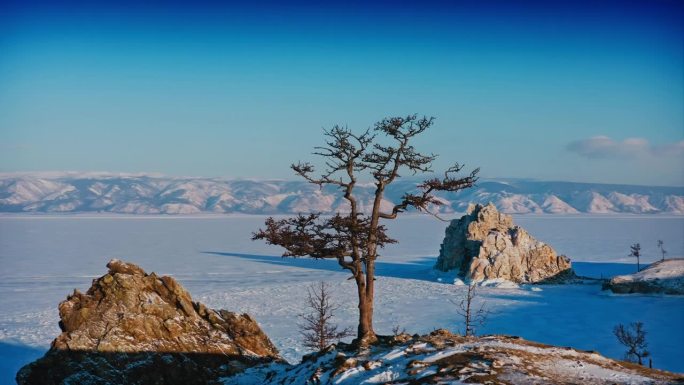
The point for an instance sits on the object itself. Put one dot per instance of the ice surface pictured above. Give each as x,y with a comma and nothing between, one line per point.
42,259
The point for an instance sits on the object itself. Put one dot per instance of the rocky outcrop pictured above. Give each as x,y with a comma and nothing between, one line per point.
446,358
137,328
666,277
485,244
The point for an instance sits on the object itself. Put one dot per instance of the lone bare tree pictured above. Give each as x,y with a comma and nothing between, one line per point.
474,314
635,251
634,339
317,328
662,249
354,238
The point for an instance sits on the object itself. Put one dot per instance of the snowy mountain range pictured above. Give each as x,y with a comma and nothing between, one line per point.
155,194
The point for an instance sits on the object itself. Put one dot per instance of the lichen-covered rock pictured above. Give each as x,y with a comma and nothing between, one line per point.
665,277
485,244
137,328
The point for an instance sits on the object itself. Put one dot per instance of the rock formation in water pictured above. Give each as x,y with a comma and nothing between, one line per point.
666,277
136,328
484,244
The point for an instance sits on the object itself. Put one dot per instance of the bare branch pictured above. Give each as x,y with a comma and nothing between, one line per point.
386,161
421,201
634,339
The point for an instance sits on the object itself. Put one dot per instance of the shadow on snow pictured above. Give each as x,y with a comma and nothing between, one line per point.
13,357
420,269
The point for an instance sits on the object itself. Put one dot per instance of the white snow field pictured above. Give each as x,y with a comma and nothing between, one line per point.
43,258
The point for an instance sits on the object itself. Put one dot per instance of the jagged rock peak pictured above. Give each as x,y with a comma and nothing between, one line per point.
128,320
117,266
485,244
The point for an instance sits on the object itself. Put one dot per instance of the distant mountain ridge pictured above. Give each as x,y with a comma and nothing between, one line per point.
156,194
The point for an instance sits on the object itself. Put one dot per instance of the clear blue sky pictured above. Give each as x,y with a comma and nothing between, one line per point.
561,90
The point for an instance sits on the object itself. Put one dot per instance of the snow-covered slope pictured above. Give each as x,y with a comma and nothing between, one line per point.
142,194
661,277
445,358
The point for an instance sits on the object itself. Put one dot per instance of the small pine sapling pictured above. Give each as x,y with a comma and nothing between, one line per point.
662,249
474,314
317,328
398,330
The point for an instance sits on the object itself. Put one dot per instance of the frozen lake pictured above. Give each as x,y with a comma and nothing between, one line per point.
43,258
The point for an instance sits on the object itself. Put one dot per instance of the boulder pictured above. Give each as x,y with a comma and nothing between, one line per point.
485,244
664,277
137,328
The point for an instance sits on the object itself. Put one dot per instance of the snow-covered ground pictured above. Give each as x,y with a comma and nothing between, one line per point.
665,276
444,358
42,259
665,270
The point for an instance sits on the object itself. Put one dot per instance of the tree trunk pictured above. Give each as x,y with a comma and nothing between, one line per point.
370,336
366,289
468,332
366,334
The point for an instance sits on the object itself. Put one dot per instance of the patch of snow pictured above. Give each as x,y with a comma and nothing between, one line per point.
632,203
554,205
674,204
669,268
443,354
593,202
661,277
498,283
179,208
517,203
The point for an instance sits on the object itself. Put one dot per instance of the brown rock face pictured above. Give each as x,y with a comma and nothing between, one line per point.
136,328
484,244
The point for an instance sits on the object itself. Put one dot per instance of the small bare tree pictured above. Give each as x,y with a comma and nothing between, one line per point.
398,330
635,251
634,339
474,314
662,249
317,328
